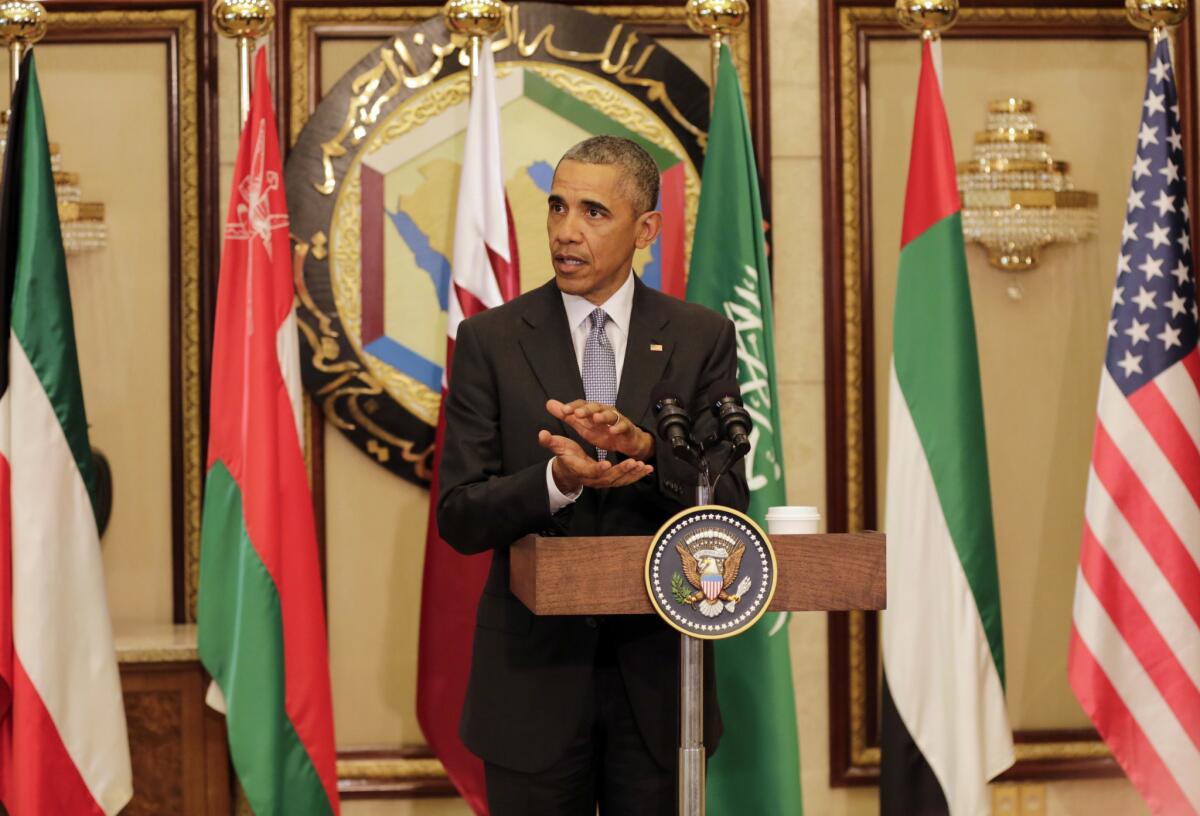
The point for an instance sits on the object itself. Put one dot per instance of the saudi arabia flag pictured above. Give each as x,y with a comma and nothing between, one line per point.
943,651
757,768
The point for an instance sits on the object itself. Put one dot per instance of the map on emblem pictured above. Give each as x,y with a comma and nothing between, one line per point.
710,572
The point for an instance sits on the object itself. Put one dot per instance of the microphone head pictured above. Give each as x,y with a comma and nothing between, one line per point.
663,392
723,389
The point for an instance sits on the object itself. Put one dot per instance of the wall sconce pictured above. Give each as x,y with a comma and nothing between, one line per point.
82,222
1016,197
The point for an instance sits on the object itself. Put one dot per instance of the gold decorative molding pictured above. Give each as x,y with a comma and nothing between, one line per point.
850,22
183,23
304,21
401,769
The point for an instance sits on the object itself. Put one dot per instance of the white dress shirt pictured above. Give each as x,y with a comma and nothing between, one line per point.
619,308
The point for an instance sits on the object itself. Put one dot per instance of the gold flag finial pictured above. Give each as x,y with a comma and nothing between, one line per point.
715,18
22,23
927,17
477,20
1156,14
244,21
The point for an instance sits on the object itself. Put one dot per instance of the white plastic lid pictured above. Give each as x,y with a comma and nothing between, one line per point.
793,512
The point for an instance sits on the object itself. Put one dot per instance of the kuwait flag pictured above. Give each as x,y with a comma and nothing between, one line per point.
261,615
757,767
484,274
945,725
63,748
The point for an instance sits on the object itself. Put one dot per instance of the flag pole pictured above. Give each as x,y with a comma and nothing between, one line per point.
244,21
716,19
477,20
22,23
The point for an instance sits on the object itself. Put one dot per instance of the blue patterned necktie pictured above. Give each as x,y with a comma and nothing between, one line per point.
599,367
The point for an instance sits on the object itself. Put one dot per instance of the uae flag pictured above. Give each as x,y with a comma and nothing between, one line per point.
945,725
261,614
484,274
757,768
63,747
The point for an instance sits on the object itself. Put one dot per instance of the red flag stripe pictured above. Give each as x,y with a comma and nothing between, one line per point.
1168,430
1182,393
37,774
1132,749
1192,364
6,621
1141,511
1159,660
932,190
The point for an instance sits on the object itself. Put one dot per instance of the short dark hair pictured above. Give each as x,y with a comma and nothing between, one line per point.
641,173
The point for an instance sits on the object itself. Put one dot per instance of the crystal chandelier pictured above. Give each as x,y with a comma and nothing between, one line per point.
1016,197
83,226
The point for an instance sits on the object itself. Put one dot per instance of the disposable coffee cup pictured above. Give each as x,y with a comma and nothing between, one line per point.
792,519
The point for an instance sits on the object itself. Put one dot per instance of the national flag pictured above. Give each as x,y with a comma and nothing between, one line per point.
261,609
485,273
757,768
1135,644
945,723
63,745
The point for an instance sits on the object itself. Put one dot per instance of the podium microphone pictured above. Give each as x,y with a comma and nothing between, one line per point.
725,398
674,425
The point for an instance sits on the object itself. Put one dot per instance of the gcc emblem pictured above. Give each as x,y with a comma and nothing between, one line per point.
710,572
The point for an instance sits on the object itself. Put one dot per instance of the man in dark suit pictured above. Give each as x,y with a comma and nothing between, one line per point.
546,431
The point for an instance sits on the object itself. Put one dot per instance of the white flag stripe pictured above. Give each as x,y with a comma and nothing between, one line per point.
1150,464
1147,582
287,350
62,633
1137,691
481,220
950,712
1179,390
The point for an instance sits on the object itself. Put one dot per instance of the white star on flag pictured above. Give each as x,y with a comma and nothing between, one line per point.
1119,295
1129,233
1160,235
1160,71
1169,336
1137,332
1148,135
1123,264
1164,202
1180,272
1112,328
1171,171
1176,304
1134,202
1176,140
1145,300
1132,364
1185,242
1152,267
1154,103
1141,167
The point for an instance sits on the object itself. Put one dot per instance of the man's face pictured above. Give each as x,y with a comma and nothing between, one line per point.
594,229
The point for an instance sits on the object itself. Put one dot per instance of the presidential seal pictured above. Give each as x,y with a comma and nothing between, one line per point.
710,572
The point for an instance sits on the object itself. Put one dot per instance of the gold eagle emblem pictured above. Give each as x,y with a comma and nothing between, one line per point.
711,560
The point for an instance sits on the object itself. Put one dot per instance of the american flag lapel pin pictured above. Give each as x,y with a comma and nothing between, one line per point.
656,346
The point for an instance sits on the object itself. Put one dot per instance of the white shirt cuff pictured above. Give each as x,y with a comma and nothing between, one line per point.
558,499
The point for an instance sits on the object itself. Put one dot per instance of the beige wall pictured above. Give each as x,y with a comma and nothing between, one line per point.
111,128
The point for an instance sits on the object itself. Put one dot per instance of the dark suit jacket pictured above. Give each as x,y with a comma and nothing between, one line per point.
530,690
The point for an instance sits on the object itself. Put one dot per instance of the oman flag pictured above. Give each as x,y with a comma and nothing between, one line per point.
261,615
63,748
485,274
945,724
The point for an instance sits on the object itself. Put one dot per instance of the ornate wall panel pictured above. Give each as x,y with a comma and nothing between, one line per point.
1040,355
171,204
374,523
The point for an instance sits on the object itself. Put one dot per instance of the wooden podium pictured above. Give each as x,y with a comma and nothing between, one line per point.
815,573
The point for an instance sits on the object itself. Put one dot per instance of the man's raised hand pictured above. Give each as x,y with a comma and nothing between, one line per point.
574,469
605,427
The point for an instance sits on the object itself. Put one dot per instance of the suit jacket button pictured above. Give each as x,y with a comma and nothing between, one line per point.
590,621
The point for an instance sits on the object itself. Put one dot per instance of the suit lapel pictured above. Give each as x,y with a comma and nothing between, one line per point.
546,343
647,351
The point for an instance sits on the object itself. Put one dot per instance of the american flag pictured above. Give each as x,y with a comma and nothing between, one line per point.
1135,647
